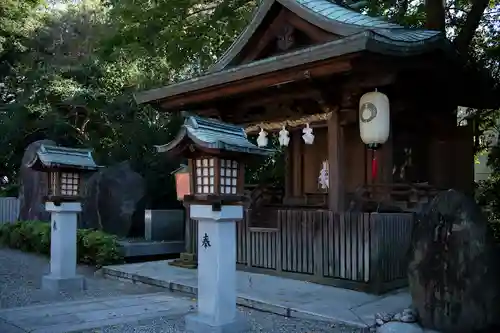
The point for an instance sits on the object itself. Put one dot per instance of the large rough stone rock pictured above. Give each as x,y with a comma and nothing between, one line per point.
453,273
111,199
33,186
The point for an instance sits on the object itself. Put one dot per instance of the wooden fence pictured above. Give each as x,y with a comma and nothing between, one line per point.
9,209
353,250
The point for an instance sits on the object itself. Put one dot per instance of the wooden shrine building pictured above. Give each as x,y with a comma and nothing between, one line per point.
302,63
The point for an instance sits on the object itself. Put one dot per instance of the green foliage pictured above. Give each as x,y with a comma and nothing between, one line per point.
93,247
97,248
488,197
488,191
65,90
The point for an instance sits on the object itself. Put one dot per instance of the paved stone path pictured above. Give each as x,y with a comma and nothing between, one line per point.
286,297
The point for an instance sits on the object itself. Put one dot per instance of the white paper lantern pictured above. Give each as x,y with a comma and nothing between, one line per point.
262,139
374,118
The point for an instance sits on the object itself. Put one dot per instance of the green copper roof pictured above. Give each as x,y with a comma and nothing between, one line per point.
324,14
214,134
334,12
62,157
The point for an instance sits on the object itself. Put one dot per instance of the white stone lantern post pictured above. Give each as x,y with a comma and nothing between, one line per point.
64,167
217,152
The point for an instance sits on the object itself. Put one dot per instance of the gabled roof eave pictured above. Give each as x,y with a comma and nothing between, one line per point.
371,41
314,18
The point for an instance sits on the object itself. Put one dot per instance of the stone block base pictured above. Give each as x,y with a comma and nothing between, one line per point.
57,284
200,324
186,260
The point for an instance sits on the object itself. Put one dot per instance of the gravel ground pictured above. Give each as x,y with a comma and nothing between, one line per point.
20,279
20,276
260,322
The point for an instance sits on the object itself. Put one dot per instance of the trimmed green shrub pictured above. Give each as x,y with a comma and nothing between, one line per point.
94,247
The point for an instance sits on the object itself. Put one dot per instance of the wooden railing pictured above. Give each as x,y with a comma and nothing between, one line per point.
354,250
392,197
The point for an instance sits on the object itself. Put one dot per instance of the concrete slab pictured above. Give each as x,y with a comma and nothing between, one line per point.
291,298
150,248
81,315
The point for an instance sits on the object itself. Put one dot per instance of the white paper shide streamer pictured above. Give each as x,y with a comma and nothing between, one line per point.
308,136
284,137
262,140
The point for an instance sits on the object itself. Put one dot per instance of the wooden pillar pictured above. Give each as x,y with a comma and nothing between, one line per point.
297,163
289,171
336,191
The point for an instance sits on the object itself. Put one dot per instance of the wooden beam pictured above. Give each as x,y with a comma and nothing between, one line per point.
266,38
321,69
276,98
371,79
277,125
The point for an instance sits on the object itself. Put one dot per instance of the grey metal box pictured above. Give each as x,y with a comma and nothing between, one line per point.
164,225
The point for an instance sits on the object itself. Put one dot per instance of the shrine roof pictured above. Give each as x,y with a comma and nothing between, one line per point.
396,42
48,156
214,134
324,14
356,32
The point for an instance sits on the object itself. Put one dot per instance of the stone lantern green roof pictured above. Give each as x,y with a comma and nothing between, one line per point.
212,134
57,157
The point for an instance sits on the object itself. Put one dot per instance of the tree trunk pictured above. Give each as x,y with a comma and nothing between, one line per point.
434,10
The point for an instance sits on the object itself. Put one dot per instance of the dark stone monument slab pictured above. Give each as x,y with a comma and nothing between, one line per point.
33,187
111,199
453,271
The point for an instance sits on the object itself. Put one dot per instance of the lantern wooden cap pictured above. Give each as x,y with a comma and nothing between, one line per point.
209,199
58,199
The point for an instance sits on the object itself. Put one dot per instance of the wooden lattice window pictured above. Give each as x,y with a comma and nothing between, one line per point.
70,183
205,175
228,177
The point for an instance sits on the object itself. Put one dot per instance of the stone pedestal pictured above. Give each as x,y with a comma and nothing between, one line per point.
217,311
63,275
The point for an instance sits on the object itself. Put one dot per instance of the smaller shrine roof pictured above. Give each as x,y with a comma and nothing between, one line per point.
48,156
213,134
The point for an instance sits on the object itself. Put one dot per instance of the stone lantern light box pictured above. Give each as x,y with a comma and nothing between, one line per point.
216,154
64,167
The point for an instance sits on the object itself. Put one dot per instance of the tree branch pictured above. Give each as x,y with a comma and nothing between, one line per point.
466,34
